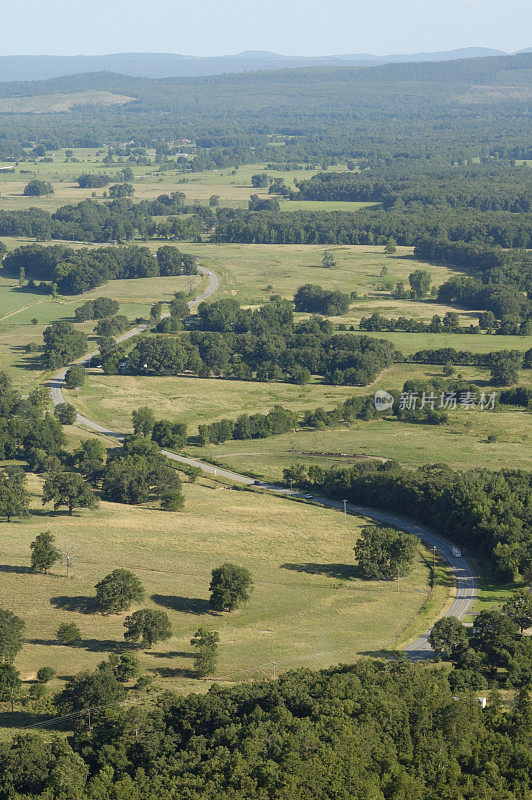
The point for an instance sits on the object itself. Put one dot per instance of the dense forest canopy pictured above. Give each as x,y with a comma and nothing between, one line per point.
427,111
372,730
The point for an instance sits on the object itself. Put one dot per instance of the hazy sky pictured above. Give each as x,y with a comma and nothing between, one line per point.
295,27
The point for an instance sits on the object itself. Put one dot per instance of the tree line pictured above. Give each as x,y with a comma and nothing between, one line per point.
484,188
405,224
74,271
485,512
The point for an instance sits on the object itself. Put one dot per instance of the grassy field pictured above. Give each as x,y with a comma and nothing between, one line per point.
110,398
462,442
308,607
232,186
324,205
248,270
18,308
53,103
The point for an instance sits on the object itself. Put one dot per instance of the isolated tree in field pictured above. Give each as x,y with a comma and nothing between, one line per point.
419,282
206,644
62,343
384,553
230,586
328,260
14,497
448,637
45,674
11,630
75,376
44,553
169,434
172,500
65,413
178,306
68,489
36,188
121,190
259,181
147,626
68,633
155,312
391,246
505,370
214,200
118,590
143,420
519,608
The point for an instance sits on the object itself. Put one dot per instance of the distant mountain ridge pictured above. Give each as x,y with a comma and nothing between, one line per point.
169,65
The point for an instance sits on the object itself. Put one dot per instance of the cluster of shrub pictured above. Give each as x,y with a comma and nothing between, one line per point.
485,512
76,271
249,426
494,653
134,473
506,302
519,396
316,300
500,282
230,586
449,324
264,343
96,309
117,220
281,420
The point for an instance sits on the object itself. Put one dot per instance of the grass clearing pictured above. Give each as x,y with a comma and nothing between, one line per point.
232,186
462,442
325,205
308,607
18,307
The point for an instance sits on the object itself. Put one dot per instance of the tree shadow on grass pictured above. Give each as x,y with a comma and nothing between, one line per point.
174,672
81,604
21,719
92,645
16,570
188,605
389,654
172,654
343,572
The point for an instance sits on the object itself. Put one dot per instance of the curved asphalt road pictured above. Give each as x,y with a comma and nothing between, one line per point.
465,580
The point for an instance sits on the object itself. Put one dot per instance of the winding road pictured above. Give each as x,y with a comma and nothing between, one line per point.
465,581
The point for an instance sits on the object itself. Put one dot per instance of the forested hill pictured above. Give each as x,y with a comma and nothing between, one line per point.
448,111
160,65
325,84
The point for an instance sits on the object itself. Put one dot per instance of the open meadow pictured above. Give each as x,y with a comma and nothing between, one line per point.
308,607
233,186
461,443
18,307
